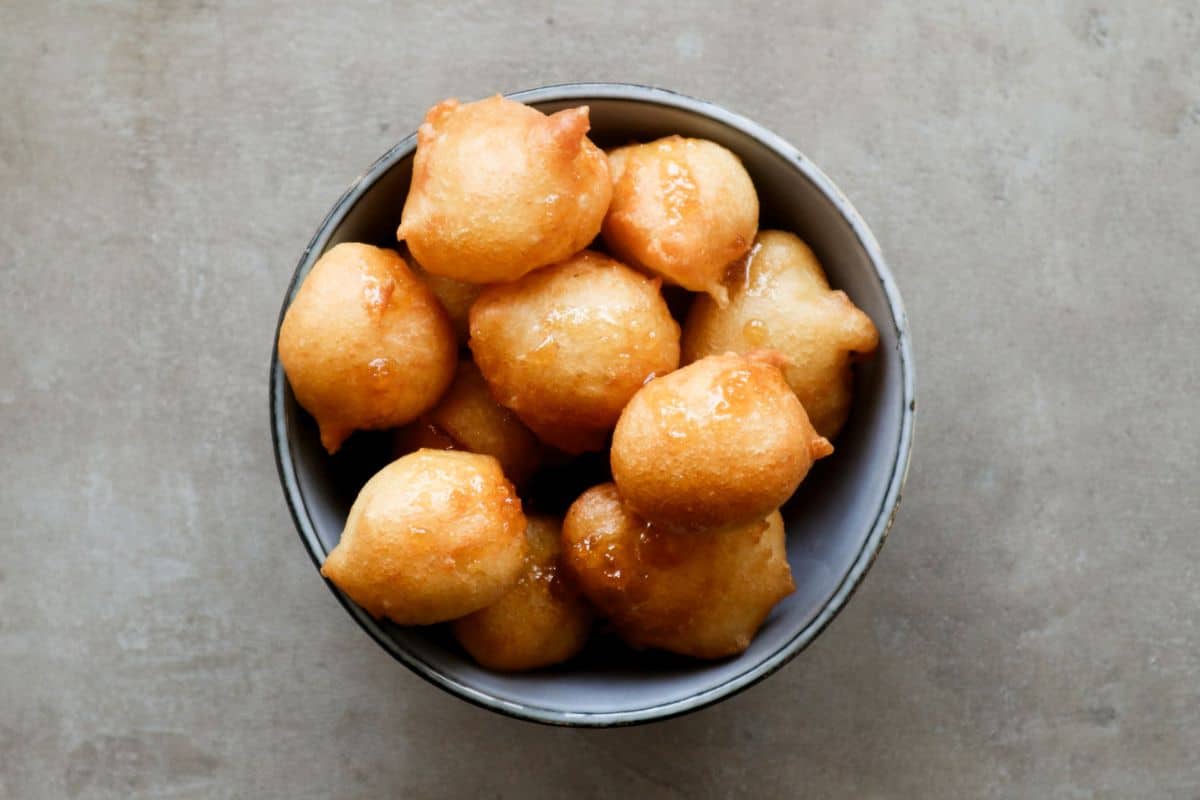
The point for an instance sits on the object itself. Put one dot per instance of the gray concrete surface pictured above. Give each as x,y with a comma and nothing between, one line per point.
1033,173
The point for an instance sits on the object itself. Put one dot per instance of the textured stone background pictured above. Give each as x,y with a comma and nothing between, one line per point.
1032,171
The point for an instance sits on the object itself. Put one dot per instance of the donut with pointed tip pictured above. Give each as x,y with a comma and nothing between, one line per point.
716,444
543,620
431,537
782,300
499,189
698,594
684,209
365,344
565,347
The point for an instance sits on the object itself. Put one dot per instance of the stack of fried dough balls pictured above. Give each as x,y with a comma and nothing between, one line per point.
525,325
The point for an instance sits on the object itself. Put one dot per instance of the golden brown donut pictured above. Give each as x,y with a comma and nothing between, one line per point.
499,189
455,296
566,346
365,344
782,300
543,620
684,209
469,418
698,594
718,443
431,537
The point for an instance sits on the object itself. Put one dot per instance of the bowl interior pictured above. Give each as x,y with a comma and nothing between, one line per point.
835,522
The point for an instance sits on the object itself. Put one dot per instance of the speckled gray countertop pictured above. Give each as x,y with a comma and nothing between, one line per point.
1033,174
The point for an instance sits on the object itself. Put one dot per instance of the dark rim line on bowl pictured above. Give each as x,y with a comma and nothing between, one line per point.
871,545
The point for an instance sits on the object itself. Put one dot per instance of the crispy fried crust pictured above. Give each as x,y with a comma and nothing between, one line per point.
566,347
499,189
718,443
469,418
543,620
365,345
699,594
455,296
681,208
782,300
432,536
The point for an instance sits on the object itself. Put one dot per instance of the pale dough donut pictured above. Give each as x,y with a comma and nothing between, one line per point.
684,209
364,344
782,300
698,594
720,442
431,537
543,620
566,346
499,189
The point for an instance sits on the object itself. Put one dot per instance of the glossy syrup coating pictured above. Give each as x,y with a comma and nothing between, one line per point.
567,346
543,620
455,296
681,208
718,443
421,435
698,594
781,299
432,536
499,189
469,418
365,345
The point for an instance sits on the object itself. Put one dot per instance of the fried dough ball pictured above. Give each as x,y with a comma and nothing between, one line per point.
365,344
499,189
783,301
703,594
469,418
567,346
682,208
455,296
543,620
718,443
432,536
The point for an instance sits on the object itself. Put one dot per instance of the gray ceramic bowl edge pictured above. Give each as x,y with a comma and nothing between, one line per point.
826,577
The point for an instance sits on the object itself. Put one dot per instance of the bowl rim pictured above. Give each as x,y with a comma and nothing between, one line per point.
872,545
